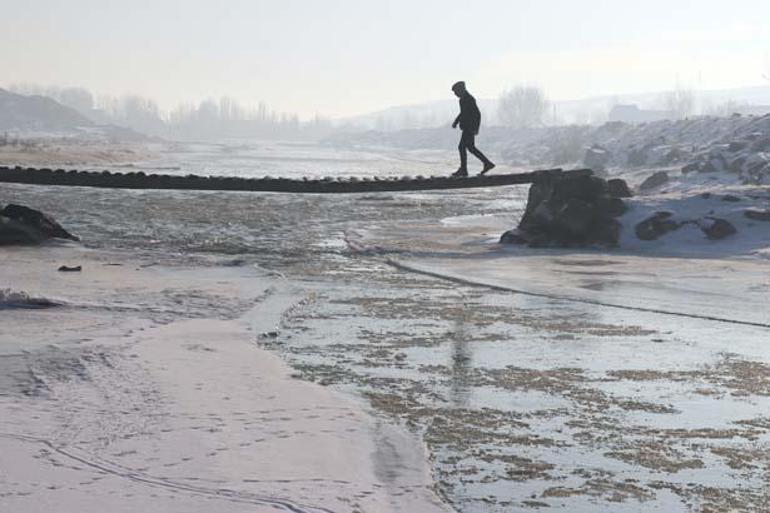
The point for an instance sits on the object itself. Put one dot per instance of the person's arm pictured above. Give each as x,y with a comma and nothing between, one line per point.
463,115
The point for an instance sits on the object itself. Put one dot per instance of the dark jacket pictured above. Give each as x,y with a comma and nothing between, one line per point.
469,118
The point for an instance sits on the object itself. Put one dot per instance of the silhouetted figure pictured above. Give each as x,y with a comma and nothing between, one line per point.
469,120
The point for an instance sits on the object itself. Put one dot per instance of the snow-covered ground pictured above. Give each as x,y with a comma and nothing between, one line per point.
143,390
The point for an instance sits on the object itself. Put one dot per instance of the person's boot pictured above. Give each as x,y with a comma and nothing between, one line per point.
488,166
460,173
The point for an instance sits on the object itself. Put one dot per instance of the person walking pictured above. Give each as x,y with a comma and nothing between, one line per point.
469,121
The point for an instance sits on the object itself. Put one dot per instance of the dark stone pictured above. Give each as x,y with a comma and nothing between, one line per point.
567,210
618,188
654,181
23,225
730,197
691,167
608,230
656,226
706,195
736,146
575,218
717,229
67,269
614,207
757,215
513,237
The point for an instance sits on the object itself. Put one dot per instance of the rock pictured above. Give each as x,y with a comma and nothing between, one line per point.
716,163
731,198
654,181
596,158
566,210
513,237
691,167
757,215
23,225
716,228
710,166
67,269
575,218
737,146
755,164
614,207
618,188
608,231
706,195
656,226
672,156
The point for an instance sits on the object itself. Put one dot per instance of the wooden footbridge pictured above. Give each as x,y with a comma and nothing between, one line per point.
141,180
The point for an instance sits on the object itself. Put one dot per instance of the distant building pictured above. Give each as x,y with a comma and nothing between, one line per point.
631,113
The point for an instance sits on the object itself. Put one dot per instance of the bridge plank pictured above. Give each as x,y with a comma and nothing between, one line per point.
140,180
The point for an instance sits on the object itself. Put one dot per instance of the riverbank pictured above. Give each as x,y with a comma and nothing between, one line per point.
145,391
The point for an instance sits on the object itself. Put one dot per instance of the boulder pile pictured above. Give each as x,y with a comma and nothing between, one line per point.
748,158
739,145
23,225
570,209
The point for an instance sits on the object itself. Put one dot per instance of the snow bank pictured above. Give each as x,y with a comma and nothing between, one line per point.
19,299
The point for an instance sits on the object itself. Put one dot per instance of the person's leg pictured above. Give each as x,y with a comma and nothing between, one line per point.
463,153
470,143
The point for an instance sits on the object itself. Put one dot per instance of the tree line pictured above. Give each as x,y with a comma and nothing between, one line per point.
210,118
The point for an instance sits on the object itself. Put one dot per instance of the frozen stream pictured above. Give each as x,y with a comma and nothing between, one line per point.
584,381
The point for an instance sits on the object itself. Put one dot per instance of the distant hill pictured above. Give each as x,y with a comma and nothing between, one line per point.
593,110
37,114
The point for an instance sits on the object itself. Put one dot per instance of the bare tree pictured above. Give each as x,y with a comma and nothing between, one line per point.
523,107
680,102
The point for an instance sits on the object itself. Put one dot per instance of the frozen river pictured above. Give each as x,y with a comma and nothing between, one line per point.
596,380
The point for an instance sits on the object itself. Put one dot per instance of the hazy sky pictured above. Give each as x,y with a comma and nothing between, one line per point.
341,57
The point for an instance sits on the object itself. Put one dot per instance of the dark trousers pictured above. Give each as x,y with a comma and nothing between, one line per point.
468,144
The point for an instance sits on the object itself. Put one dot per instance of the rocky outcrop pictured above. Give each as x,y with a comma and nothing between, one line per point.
569,209
23,225
747,157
